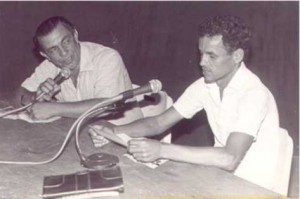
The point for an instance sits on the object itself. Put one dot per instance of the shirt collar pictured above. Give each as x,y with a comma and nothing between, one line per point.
236,81
239,77
85,58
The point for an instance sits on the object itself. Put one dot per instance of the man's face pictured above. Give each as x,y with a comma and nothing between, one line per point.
218,65
61,47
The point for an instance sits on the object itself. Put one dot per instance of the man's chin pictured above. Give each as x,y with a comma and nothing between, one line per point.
72,67
208,80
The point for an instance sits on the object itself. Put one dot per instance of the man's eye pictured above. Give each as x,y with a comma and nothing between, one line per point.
66,41
52,50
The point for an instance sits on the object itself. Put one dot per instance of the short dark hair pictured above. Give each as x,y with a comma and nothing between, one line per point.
48,25
235,33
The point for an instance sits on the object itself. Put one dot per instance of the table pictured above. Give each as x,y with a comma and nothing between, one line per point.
22,141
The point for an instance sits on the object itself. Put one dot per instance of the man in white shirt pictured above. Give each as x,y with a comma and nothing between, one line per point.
241,111
97,72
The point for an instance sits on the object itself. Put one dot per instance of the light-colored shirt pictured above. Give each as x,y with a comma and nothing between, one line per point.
102,75
247,107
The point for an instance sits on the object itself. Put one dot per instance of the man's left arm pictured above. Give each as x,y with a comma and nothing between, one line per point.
251,112
45,110
227,157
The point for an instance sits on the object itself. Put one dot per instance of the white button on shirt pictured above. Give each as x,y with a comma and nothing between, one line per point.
247,107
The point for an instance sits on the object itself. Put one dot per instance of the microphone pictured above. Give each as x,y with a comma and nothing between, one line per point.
104,160
64,74
153,86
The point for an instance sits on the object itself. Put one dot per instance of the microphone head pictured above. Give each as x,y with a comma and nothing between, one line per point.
155,85
65,72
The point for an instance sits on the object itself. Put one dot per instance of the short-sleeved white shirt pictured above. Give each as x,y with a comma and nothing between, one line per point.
247,107
102,75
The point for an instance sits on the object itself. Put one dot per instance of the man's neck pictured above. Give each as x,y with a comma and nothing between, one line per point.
222,84
76,71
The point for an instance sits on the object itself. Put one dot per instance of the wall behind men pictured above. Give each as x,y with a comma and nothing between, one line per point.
159,40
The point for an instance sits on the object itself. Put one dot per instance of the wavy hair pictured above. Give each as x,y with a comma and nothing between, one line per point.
235,33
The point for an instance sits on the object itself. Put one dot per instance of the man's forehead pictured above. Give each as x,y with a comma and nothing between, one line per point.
212,44
53,37
216,40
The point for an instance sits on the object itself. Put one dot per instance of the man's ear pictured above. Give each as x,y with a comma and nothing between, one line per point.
44,55
76,35
238,55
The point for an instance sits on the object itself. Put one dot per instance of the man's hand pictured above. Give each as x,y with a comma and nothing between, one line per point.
103,126
42,110
49,88
22,97
145,150
106,130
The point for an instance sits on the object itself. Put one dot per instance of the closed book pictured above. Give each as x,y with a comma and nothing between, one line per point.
86,184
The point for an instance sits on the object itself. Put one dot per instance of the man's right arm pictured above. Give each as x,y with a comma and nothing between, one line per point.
150,126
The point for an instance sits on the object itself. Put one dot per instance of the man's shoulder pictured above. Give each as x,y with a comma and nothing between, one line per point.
99,57
197,85
248,80
256,82
253,86
95,49
199,82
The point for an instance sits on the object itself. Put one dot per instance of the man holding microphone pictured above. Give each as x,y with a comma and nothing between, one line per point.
96,72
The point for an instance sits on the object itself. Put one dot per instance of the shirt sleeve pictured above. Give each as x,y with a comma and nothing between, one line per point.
191,101
40,74
111,75
251,112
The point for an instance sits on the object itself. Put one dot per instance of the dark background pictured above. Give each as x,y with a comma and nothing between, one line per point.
159,40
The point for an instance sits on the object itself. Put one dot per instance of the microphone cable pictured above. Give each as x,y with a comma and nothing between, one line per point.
22,108
99,107
64,74
96,111
79,120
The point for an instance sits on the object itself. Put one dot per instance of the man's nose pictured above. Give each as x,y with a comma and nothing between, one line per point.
62,51
203,60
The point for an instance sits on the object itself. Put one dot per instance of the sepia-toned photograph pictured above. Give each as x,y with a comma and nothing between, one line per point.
149,99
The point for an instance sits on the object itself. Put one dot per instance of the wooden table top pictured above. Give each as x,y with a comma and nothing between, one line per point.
22,141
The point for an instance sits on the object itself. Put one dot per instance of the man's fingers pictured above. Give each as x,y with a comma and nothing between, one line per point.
47,87
51,81
141,156
56,88
134,146
47,97
30,113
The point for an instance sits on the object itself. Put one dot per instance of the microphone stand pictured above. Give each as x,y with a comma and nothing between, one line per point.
98,160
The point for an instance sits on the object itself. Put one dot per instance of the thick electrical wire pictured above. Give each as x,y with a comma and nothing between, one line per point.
79,120
22,108
91,114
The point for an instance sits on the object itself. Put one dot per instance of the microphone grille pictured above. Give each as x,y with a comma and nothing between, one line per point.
65,72
156,85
